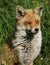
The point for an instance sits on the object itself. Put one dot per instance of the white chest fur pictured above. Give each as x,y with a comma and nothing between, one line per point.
28,50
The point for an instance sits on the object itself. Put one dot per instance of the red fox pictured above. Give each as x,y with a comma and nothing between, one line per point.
28,34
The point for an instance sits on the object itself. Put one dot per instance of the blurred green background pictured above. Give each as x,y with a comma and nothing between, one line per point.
8,22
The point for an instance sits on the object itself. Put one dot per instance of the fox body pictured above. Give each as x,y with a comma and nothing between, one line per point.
28,35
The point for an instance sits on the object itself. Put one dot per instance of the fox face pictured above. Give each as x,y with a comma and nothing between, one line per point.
28,19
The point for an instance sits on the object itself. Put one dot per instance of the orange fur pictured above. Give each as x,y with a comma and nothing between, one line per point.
7,52
30,19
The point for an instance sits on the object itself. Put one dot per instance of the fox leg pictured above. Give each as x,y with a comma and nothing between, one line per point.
11,61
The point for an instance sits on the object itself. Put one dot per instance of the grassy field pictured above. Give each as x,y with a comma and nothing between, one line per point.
8,21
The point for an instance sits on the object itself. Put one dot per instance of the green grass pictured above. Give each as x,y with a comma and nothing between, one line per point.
8,21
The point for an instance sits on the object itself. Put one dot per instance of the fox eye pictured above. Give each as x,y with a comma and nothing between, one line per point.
29,23
37,22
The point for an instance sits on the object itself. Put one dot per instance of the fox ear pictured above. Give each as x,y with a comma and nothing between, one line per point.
20,11
38,10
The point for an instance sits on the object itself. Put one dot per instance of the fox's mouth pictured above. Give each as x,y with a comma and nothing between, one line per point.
30,35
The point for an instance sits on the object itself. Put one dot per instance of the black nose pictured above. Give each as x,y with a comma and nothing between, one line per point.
36,29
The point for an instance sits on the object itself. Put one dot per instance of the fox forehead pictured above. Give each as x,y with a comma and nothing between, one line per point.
30,15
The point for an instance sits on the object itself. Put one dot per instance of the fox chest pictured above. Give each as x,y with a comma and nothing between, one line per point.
28,51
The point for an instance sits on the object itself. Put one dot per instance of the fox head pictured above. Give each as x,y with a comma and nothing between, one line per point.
29,19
